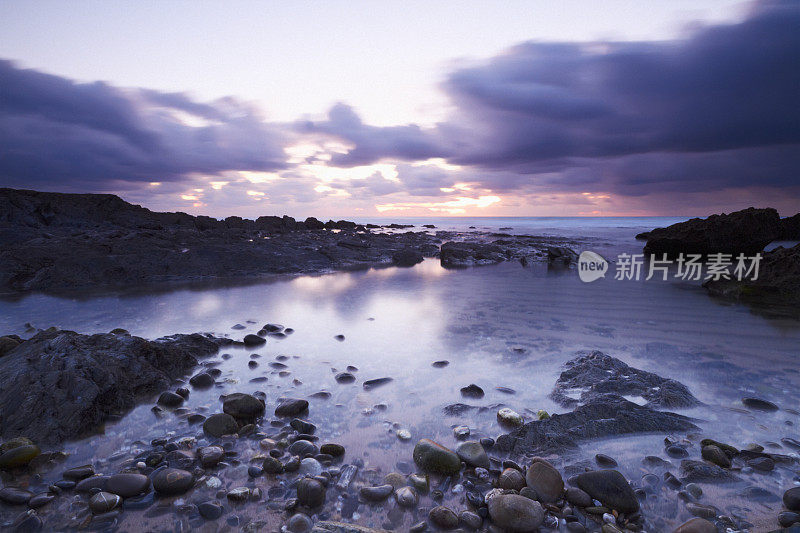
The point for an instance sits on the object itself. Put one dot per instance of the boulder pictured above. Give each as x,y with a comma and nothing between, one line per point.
747,231
778,280
464,254
515,513
545,480
433,457
407,257
610,488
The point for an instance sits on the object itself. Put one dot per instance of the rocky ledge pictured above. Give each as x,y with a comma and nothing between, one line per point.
62,385
54,241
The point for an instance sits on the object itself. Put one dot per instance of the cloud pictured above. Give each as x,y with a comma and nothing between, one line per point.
719,108
57,133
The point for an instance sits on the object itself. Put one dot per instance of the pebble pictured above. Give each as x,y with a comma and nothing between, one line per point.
376,494
785,519
239,494
473,454
172,481
299,523
759,405
210,510
15,496
103,502
545,480
440,364
202,380
676,451
605,461
461,432
170,399
515,513
210,455
310,492
19,455
253,340
443,517
373,383
334,450
403,434
273,466
40,500
791,499
610,488
291,407
696,525
303,426
344,378
470,519
243,406
302,448
715,455
577,497
433,457
310,467
128,485
764,464
509,417
472,391
220,424
511,479
406,497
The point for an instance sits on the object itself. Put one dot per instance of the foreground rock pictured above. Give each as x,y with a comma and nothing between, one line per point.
747,231
778,280
610,488
62,385
597,374
513,512
603,416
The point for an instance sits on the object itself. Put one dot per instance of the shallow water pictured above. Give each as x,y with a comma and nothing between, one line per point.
498,326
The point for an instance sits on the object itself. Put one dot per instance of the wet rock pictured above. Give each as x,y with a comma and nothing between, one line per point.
513,512
310,467
778,282
788,518
128,485
759,405
303,426
470,520
15,496
472,453
210,510
272,466
220,424
19,456
345,378
509,417
464,254
92,483
327,526
791,499
239,494
701,511
41,499
440,364
604,416
747,231
577,497
299,523
610,488
461,432
202,380
8,343
60,384
170,399
762,464
605,461
701,472
729,450
103,502
373,383
210,456
376,494
545,480
715,455
512,479
433,457
472,391
172,481
407,257
334,450
406,497
79,472
310,492
302,448
291,407
598,374
677,451
253,340
243,406
443,517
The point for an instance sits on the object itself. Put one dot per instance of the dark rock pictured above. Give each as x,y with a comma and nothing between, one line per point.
128,485
472,391
407,257
376,494
602,416
747,231
172,481
301,448
759,405
598,373
210,510
345,377
545,480
700,472
790,228
605,461
463,254
561,256
92,483
253,340
788,518
220,424
440,364
372,383
243,406
61,385
443,517
778,281
18,456
677,451
433,457
41,499
8,343
696,525
210,456
473,454
103,502
610,488
763,464
715,455
170,399
513,512
310,492
202,380
303,426
791,499
334,450
512,479
291,407
79,472
272,465
15,496
578,497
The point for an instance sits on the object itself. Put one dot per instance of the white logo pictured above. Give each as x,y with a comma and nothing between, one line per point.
591,266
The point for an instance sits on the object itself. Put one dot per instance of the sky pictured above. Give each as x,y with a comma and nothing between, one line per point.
363,108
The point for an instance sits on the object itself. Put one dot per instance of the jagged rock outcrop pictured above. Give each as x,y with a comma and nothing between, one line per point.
778,280
62,385
790,228
747,231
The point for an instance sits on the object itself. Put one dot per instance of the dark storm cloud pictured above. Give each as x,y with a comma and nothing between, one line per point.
720,108
55,132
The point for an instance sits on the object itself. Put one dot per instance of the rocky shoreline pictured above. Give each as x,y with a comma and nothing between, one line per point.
532,477
55,241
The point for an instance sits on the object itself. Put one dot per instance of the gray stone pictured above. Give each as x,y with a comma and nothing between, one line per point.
172,481
513,512
220,424
376,494
545,480
610,488
128,485
291,407
433,457
310,492
473,454
444,517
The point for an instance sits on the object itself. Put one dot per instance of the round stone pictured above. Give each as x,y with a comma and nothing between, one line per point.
302,448
443,517
310,467
310,492
220,424
472,453
41,499
512,479
345,378
610,488
697,525
433,457
210,455
472,391
172,481
243,406
791,499
128,485
715,455
253,340
509,417
470,519
103,502
239,494
210,510
299,523
15,496
545,480
170,399
272,466
291,407
19,456
406,497
515,513
334,450
202,380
